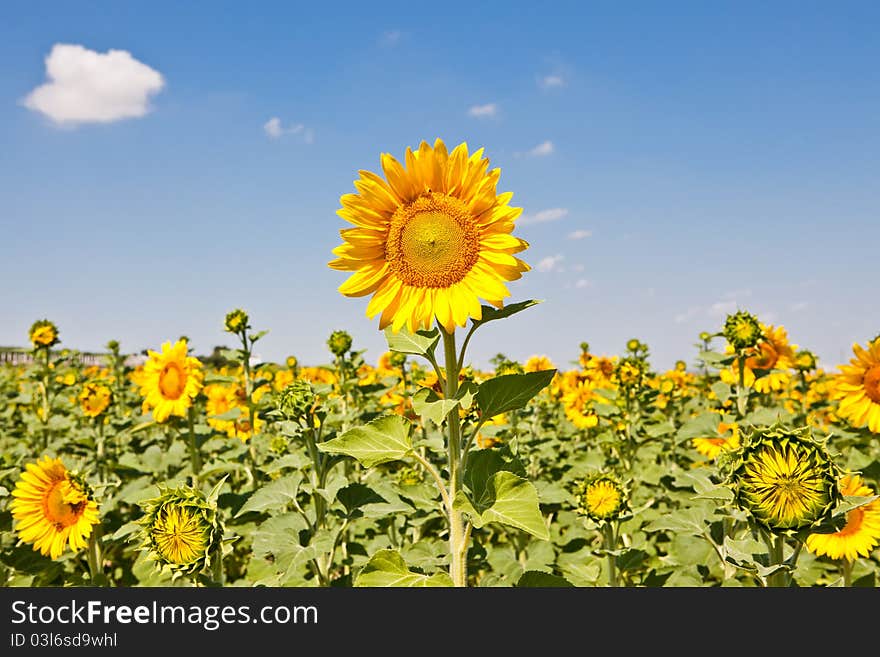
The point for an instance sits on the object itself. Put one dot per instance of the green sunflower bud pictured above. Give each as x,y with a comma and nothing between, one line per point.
601,497
339,342
785,479
705,336
633,345
397,359
407,476
43,333
236,321
181,528
805,360
742,330
297,400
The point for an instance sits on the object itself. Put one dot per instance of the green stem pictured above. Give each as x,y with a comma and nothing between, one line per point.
779,578
741,397
195,457
846,567
457,538
249,391
610,544
99,450
93,554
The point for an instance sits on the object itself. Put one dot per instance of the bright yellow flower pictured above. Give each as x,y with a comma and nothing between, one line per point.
712,446
773,353
858,388
52,508
860,535
94,399
430,239
43,333
282,378
171,380
538,363
317,375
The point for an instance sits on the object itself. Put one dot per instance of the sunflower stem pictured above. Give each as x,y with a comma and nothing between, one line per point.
741,397
778,578
248,391
95,559
195,458
458,539
610,544
846,567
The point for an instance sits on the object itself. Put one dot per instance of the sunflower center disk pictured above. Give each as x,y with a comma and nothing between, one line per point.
432,242
59,511
172,381
872,383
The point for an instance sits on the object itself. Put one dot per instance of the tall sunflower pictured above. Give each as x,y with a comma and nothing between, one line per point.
858,388
170,381
861,533
430,239
53,508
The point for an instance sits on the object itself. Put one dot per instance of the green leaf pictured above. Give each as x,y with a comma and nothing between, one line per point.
420,343
387,568
511,391
702,426
721,390
231,414
490,313
483,464
509,499
384,439
273,496
429,404
356,495
540,579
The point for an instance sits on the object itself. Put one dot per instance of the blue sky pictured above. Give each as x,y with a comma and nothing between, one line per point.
686,158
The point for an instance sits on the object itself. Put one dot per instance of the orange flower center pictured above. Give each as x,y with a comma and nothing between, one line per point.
172,381
871,382
765,359
58,510
432,242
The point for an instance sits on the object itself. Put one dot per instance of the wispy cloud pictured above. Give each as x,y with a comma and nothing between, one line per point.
552,81
799,306
550,263
542,149
85,86
543,216
486,111
580,234
583,283
577,267
390,38
274,129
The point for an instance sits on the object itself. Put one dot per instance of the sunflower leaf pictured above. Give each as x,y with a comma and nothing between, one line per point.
510,392
491,313
384,439
273,496
420,343
387,568
507,499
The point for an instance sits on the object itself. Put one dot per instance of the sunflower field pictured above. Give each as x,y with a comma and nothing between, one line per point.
745,465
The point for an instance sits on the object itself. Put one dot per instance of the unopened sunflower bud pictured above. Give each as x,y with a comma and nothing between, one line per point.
397,359
296,400
236,321
339,342
742,330
601,497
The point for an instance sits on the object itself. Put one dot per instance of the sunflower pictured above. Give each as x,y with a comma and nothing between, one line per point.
43,333
712,446
773,355
742,330
860,535
220,399
577,401
538,363
858,388
430,239
181,528
785,479
600,497
94,399
53,507
171,380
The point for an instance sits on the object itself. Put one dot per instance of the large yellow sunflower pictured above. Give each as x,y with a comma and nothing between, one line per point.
170,381
430,239
773,353
860,535
52,508
858,388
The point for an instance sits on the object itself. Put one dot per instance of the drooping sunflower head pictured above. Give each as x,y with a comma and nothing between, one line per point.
857,387
53,508
43,333
94,398
742,330
430,239
181,528
785,479
236,321
601,497
339,342
861,533
170,381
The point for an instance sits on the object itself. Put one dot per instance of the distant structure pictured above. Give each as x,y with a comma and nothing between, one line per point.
22,356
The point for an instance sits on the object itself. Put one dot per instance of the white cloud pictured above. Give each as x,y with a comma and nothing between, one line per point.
274,129
550,263
722,308
577,267
84,86
483,111
580,234
551,81
583,283
543,216
799,306
542,149
390,38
